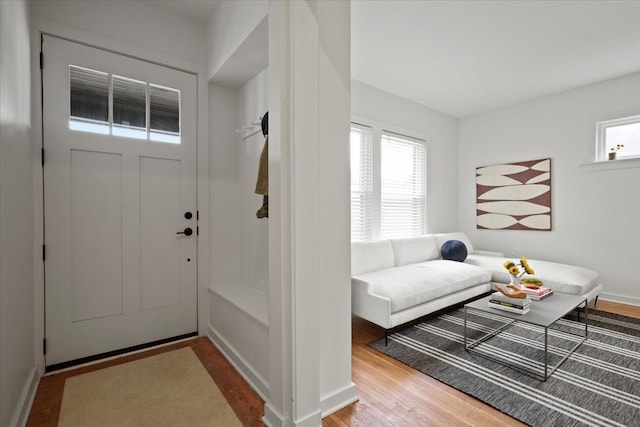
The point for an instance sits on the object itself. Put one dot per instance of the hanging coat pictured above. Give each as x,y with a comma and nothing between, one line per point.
262,184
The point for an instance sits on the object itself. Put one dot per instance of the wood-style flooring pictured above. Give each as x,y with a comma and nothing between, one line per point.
390,393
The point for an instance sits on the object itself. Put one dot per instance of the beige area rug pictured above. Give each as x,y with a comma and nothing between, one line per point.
170,389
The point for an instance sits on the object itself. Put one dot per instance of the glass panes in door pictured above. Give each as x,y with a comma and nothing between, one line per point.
89,100
129,108
164,110
115,105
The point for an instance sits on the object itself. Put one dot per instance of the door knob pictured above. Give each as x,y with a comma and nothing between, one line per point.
187,231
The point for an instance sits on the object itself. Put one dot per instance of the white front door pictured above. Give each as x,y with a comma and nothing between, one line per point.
119,184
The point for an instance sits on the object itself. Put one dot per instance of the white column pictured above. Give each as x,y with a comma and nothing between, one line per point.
309,294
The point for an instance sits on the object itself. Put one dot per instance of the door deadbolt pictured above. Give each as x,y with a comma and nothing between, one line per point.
188,215
187,231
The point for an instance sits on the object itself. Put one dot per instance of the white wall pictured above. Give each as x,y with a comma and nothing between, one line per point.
254,232
595,208
370,105
225,182
334,195
229,25
238,294
238,321
309,316
17,364
130,22
308,322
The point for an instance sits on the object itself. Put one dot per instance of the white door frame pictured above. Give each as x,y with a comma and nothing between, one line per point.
39,26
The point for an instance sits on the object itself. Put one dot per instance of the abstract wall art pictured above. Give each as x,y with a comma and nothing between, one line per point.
514,196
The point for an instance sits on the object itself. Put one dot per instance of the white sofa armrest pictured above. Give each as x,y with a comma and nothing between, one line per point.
489,253
374,308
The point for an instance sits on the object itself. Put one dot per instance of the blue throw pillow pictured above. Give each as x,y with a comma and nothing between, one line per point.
454,250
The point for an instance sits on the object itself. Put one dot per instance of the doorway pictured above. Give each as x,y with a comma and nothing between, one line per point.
119,139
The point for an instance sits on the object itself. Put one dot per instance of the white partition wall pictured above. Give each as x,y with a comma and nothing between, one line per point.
283,320
309,311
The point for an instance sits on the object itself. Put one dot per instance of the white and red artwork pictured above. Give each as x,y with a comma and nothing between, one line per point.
514,196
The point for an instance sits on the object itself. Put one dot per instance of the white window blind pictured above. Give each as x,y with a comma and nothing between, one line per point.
403,185
361,182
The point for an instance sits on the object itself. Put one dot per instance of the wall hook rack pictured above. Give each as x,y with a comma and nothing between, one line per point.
250,129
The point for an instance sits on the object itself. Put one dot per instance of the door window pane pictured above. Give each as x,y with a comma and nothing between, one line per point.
129,108
138,109
89,97
164,114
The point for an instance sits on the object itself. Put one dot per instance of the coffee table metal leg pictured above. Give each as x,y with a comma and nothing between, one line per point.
465,329
546,354
586,317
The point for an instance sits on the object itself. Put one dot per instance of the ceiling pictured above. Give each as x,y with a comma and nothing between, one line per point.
466,57
196,10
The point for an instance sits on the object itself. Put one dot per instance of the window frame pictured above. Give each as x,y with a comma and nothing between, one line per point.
377,129
601,142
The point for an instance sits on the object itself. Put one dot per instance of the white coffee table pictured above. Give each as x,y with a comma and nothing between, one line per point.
542,313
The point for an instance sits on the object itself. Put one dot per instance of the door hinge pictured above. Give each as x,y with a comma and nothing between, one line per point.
44,346
44,252
41,61
197,231
42,155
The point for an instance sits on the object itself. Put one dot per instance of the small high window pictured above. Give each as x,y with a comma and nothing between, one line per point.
620,136
114,105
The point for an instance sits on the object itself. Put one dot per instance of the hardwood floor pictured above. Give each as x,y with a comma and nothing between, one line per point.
391,393
617,308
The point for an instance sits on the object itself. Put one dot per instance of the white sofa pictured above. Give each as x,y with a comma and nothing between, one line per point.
399,280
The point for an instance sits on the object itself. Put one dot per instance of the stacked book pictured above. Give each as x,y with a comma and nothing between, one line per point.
500,301
537,294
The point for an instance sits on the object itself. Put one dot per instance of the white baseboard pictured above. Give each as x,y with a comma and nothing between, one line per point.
255,380
623,299
23,408
273,418
328,405
312,420
338,400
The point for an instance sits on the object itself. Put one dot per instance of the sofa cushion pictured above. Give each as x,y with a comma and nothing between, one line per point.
441,238
454,250
415,249
371,256
567,279
414,284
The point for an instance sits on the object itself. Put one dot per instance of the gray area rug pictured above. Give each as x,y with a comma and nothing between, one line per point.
598,385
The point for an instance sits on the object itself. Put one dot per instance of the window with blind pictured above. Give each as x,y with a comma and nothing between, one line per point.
388,184
361,183
402,186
